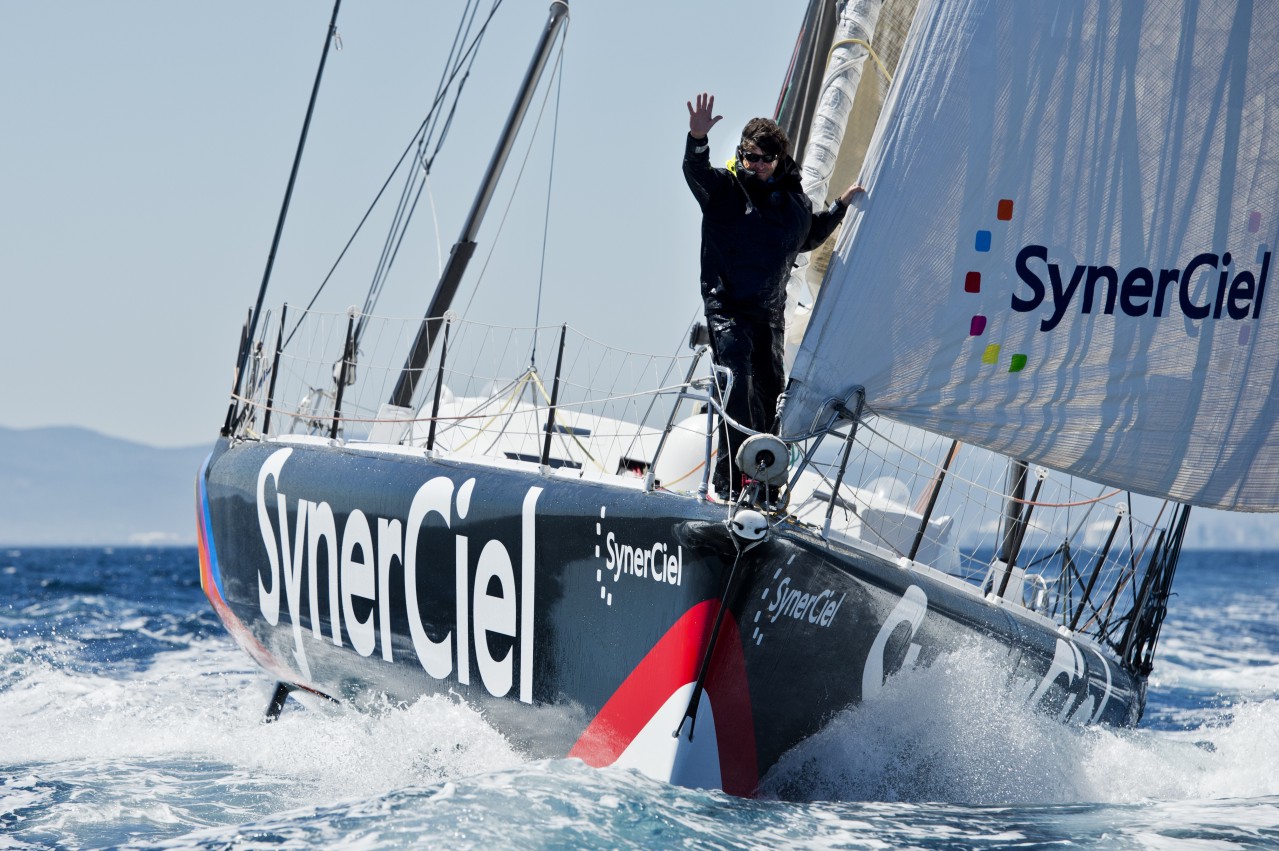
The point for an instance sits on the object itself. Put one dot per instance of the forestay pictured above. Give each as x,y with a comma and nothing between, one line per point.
1066,250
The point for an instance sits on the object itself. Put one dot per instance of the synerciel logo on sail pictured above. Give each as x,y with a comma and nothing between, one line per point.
1232,293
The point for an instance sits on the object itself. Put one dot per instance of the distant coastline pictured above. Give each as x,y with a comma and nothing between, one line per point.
69,486
73,487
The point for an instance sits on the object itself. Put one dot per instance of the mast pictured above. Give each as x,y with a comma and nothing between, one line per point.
462,250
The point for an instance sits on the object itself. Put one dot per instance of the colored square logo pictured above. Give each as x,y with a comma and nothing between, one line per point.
1254,221
972,282
1004,212
1017,364
977,327
991,355
983,240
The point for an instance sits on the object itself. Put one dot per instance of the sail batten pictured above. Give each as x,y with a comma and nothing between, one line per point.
1066,252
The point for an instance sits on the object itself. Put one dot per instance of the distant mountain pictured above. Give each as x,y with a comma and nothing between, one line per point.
72,486
75,487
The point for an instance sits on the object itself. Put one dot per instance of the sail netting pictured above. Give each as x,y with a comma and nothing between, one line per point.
1066,249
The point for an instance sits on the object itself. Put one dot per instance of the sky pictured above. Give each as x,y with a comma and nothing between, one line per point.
147,145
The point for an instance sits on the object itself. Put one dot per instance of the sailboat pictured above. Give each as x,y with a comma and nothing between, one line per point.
1045,318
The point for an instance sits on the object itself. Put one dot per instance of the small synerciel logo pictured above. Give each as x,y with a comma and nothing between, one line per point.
787,600
653,561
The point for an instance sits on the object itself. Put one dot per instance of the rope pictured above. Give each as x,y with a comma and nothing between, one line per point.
1101,498
418,136
866,44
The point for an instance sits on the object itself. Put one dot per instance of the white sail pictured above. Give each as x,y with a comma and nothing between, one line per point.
1066,250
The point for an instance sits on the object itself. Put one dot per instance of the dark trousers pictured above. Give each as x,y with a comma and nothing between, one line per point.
753,350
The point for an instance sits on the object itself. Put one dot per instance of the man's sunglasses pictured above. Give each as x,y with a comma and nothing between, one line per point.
754,158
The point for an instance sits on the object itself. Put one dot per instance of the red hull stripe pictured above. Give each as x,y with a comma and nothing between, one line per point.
670,665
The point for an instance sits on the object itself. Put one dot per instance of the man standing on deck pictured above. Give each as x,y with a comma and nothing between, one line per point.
756,220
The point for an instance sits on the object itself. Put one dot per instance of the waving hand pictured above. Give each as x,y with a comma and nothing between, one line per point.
700,119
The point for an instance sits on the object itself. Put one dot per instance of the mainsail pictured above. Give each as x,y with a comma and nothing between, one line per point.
1066,249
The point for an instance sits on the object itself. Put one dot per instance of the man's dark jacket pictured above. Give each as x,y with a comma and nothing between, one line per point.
751,233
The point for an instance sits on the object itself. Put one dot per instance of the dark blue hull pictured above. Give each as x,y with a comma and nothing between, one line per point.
578,615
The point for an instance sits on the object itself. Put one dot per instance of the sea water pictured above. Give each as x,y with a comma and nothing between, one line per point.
129,718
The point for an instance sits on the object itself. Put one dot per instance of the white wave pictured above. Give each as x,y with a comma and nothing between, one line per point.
1224,651
182,743
952,733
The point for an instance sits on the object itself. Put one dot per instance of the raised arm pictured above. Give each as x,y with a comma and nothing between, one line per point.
703,180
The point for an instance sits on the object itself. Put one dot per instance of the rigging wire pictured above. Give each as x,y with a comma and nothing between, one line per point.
375,289
250,331
443,134
451,75
546,218
518,178
405,208
453,60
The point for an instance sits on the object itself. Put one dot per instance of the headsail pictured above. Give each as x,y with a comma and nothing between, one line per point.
1066,251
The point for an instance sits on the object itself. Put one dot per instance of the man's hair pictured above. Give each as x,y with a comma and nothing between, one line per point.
765,134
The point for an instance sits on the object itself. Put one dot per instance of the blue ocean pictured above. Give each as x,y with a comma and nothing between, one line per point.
129,719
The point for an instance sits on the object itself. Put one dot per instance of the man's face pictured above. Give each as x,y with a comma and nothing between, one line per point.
761,169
